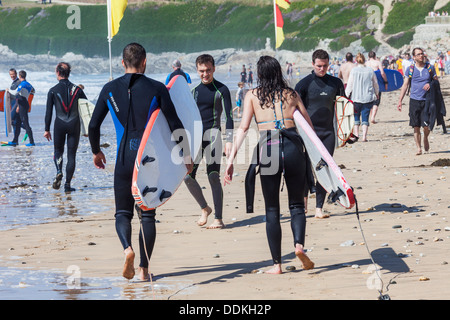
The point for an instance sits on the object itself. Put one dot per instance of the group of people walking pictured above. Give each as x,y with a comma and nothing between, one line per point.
272,103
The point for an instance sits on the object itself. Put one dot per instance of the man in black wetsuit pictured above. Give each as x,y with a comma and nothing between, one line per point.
318,92
64,96
131,99
212,98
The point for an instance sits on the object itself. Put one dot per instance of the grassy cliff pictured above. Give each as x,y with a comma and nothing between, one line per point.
187,26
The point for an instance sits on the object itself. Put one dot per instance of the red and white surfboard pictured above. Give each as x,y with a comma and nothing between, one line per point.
159,168
327,172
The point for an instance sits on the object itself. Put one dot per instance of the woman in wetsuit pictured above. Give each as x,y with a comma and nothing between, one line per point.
281,155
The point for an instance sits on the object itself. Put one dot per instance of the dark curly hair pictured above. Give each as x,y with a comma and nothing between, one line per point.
271,82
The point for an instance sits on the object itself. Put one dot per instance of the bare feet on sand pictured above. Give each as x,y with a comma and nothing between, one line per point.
204,217
306,262
320,214
128,268
144,275
217,224
275,270
426,145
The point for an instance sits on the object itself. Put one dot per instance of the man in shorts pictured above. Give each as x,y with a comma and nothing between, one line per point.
419,78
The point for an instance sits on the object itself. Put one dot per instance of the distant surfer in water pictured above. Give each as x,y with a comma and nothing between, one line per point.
273,103
64,96
129,99
212,98
318,92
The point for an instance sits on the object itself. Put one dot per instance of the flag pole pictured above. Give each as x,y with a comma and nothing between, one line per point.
109,38
275,22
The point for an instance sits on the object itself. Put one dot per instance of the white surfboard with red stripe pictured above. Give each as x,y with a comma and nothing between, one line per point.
159,168
327,172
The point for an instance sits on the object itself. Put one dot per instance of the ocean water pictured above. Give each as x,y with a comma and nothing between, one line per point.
27,198
27,173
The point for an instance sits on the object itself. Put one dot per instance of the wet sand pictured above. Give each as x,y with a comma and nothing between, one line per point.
404,212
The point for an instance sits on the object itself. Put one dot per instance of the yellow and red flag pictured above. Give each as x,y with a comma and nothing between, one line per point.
283,3
279,23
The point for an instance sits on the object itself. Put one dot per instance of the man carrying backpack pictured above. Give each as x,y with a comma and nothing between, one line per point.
420,75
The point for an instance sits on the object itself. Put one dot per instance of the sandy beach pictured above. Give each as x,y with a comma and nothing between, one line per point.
404,212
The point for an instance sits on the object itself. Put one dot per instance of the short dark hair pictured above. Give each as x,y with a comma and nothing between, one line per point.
320,54
133,55
63,69
372,55
349,57
414,50
13,70
204,58
22,74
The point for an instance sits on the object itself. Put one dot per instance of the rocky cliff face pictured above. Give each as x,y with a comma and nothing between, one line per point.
433,36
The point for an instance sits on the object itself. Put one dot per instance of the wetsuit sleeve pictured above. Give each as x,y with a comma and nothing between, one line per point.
188,77
228,110
341,88
173,120
302,89
49,111
99,114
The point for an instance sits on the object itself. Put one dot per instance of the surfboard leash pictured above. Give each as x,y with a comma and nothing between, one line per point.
382,296
139,211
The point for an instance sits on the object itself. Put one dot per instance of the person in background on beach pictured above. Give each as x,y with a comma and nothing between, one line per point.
66,127
244,74
420,75
250,78
128,99
344,70
289,71
363,87
406,63
375,64
14,115
318,92
239,98
21,94
399,63
176,65
273,103
212,98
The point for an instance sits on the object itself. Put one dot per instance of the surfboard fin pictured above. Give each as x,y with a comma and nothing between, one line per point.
147,159
147,189
165,194
335,195
322,163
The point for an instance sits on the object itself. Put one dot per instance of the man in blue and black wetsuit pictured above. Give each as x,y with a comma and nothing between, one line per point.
131,99
176,65
212,98
318,92
15,83
64,96
22,93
